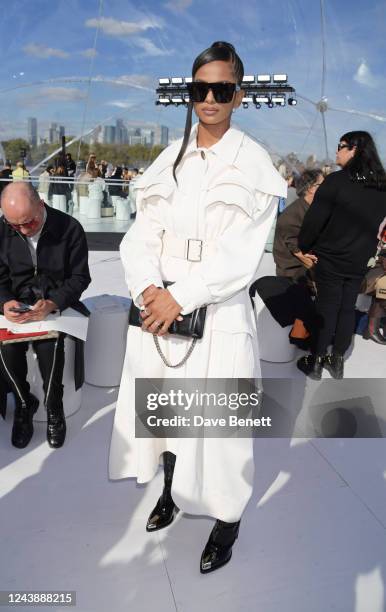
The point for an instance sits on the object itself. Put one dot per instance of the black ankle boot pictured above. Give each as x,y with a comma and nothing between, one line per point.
373,332
23,429
218,549
334,363
56,426
311,365
165,509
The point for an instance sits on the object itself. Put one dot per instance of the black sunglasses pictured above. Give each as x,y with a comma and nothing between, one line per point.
223,92
343,146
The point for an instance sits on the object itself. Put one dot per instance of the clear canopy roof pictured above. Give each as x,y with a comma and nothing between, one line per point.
87,63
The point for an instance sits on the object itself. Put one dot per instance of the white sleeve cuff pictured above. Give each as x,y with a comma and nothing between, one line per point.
136,293
190,293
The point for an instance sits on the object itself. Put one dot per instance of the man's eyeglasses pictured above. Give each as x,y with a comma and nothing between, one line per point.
223,91
342,145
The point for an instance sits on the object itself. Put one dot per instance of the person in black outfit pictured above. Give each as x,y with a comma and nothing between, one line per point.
340,228
59,184
116,186
70,165
43,263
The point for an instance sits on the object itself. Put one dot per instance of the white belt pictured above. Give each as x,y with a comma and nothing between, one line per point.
190,249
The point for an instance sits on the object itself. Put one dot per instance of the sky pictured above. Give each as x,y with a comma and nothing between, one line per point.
81,62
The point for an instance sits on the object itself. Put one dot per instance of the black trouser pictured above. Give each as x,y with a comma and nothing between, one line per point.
50,355
335,309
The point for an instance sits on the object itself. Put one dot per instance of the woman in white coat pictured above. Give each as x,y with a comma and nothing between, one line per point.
205,208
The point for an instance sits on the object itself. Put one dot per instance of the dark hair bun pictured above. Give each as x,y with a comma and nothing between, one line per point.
222,44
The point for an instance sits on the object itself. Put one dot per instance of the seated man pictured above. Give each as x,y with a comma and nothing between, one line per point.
290,261
288,295
43,263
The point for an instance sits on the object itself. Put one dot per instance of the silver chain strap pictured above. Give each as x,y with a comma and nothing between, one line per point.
165,360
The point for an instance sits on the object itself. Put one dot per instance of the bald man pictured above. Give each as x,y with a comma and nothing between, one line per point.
44,264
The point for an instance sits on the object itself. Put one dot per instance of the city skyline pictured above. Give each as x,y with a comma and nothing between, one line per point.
120,133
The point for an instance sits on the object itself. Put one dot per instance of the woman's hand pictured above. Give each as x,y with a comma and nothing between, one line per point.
161,309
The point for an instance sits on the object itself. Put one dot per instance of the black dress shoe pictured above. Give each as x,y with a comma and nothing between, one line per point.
23,429
311,365
163,513
218,549
56,427
334,363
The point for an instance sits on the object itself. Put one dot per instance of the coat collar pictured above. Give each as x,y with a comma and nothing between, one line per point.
235,150
226,148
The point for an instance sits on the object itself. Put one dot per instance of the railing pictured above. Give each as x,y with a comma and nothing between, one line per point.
90,206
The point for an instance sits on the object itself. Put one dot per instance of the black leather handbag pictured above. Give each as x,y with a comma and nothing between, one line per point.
191,326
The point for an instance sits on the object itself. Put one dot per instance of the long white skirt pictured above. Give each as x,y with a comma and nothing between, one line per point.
212,476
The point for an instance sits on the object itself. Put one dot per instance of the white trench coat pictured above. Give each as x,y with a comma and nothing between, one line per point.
226,196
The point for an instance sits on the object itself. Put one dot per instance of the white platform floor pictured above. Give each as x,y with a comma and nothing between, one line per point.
313,538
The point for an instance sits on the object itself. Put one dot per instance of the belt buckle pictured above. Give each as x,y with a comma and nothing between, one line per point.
193,248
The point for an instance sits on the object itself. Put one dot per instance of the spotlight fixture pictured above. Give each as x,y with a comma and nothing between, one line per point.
162,99
280,78
262,99
279,100
267,89
263,78
249,79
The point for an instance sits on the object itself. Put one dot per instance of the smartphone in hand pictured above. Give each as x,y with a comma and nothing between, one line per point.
21,308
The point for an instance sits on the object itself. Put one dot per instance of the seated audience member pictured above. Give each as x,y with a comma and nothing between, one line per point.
374,284
289,259
43,263
20,173
97,186
82,182
291,191
44,183
59,185
288,294
116,185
